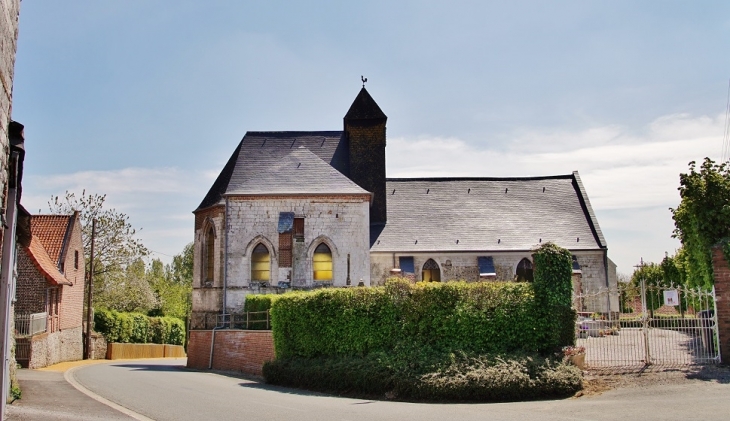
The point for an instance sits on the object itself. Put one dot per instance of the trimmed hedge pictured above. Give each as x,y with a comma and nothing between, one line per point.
138,328
483,317
258,303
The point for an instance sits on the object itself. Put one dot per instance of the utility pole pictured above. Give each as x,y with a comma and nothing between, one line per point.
89,312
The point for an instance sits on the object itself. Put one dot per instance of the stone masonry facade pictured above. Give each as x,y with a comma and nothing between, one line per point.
463,266
341,222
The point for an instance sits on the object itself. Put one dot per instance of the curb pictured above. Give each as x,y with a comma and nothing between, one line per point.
69,376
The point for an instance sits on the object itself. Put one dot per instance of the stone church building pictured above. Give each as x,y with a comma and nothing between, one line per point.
313,209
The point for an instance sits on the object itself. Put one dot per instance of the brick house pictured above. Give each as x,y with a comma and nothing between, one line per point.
312,209
50,292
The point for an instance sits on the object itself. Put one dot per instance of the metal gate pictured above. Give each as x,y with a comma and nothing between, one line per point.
656,325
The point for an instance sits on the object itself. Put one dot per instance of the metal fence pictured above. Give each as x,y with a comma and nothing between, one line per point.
250,320
30,324
650,331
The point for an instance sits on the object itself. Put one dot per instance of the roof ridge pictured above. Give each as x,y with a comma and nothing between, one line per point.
440,179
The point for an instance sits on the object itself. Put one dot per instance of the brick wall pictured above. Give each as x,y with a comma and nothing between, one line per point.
243,351
72,296
30,292
722,292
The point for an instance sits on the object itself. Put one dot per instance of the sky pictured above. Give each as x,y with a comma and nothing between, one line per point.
146,101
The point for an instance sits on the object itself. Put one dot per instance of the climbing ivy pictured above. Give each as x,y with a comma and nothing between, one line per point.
553,294
702,218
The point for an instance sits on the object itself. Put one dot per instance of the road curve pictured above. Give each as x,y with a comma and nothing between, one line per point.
164,390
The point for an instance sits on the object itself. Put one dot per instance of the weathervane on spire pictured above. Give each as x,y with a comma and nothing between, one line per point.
364,79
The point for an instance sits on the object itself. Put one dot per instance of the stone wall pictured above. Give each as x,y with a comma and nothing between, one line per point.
339,221
463,266
243,351
9,12
52,348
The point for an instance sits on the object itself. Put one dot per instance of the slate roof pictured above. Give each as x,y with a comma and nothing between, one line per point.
255,154
288,171
364,107
45,263
486,214
52,232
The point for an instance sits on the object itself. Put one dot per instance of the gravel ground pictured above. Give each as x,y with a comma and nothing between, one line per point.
596,382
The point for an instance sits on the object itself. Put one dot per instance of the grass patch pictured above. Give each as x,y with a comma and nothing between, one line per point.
430,376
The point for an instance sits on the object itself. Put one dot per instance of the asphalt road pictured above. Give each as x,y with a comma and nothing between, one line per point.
163,390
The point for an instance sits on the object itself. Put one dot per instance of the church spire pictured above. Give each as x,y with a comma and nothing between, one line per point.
365,133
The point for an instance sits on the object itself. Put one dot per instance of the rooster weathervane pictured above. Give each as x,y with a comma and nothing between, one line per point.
364,79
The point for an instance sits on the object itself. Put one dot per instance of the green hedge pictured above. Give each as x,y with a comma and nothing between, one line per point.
481,317
138,328
258,303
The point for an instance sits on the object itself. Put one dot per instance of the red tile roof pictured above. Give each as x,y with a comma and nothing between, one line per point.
44,263
50,231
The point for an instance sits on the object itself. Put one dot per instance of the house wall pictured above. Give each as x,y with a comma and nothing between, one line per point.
55,347
463,266
341,222
9,12
72,296
208,298
30,292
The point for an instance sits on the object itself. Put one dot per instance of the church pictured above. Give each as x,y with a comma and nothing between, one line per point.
303,210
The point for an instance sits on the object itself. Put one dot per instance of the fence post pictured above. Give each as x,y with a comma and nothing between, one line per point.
645,322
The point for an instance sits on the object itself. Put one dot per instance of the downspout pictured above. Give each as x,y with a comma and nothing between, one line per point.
6,278
212,345
608,283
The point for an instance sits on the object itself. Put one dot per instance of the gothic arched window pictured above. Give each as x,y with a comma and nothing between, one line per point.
322,263
209,262
524,271
260,264
431,271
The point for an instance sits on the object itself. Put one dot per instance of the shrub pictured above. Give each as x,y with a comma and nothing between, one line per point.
439,377
138,328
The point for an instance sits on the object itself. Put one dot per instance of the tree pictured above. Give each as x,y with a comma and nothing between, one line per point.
173,284
702,218
125,290
115,244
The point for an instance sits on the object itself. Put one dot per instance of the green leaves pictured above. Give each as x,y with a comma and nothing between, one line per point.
478,317
138,328
702,218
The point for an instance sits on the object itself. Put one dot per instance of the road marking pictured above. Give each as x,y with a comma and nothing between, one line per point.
68,375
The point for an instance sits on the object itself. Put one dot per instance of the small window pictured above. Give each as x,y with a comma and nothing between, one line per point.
322,263
299,228
406,265
524,271
260,264
431,271
76,259
285,250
